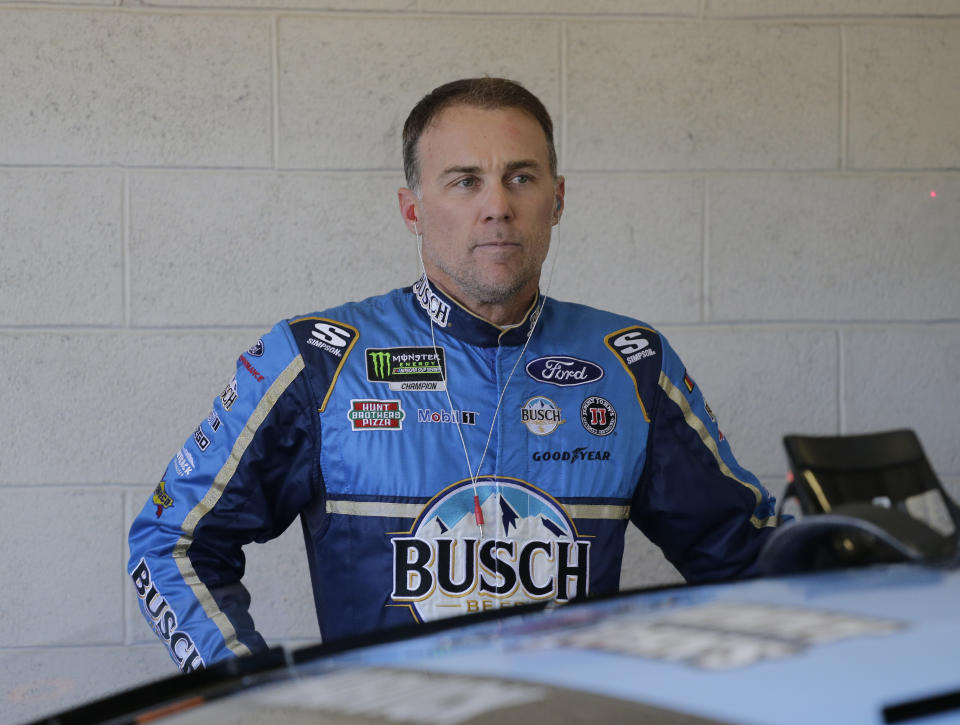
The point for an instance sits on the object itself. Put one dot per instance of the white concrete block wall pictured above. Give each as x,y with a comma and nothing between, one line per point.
775,184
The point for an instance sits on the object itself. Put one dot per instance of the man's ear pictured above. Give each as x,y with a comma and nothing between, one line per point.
559,189
410,209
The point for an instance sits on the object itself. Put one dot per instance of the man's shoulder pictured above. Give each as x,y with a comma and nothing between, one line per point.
593,320
370,308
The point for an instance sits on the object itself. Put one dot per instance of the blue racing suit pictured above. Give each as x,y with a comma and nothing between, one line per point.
342,418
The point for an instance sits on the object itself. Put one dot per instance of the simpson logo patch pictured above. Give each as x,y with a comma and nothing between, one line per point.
376,414
442,567
407,368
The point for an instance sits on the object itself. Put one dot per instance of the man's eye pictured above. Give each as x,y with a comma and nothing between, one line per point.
467,183
522,179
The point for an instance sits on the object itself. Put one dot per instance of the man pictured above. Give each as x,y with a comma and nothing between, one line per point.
459,445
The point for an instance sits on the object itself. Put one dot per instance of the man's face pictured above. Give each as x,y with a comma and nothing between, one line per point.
486,207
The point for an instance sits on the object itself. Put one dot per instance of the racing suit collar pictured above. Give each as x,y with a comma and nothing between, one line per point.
451,317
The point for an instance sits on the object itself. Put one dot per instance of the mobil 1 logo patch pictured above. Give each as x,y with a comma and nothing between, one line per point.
408,368
564,370
598,415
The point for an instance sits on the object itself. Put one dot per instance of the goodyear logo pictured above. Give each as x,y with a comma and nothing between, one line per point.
530,551
407,368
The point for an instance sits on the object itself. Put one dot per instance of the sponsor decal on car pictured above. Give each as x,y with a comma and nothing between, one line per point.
407,368
564,370
530,551
598,415
541,415
726,635
428,415
161,498
164,620
376,414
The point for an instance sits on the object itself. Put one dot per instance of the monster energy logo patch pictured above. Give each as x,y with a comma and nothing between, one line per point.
407,368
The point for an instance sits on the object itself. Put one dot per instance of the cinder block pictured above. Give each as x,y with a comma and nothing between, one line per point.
659,8
59,565
209,249
906,377
903,100
827,8
134,88
277,578
107,407
834,247
351,5
702,96
631,244
61,234
763,383
644,565
40,682
355,81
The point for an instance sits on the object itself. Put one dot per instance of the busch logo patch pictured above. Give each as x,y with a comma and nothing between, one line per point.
541,415
438,310
164,620
530,551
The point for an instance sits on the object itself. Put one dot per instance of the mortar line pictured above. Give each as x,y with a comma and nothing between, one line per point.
126,229
844,93
275,91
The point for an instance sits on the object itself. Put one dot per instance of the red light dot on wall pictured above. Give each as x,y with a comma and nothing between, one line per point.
933,195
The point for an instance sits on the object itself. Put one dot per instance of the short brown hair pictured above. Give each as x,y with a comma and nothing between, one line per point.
486,92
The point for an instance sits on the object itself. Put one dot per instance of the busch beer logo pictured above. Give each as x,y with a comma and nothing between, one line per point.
229,395
564,370
164,620
376,414
438,310
541,415
529,552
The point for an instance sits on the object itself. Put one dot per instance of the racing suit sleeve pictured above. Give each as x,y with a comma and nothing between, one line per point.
243,475
709,515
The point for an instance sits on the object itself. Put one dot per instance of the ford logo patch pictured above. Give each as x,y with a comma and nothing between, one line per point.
564,370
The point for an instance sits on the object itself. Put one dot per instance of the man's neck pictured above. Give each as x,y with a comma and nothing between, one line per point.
503,315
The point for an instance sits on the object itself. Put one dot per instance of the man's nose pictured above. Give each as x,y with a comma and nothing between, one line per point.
497,203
